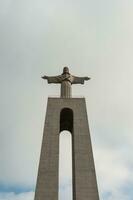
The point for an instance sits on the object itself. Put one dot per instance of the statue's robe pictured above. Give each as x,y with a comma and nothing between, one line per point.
66,80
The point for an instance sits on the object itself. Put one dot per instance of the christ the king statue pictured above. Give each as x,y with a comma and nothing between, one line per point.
66,80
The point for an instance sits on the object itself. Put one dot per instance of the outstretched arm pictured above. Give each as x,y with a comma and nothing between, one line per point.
52,79
79,80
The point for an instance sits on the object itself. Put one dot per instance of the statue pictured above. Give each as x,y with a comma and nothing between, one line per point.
66,80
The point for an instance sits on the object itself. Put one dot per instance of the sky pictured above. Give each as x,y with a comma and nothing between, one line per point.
94,38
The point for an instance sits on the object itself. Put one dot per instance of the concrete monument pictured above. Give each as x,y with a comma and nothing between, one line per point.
66,113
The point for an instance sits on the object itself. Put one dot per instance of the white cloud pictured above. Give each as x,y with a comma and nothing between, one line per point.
13,196
114,174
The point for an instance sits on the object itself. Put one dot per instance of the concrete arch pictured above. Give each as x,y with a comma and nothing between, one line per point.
66,120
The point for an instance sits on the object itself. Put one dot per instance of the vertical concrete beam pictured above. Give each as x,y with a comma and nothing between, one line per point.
47,181
85,184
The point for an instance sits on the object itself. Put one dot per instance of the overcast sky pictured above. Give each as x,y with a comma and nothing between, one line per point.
93,38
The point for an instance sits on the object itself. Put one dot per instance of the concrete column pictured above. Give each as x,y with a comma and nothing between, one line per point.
47,181
85,184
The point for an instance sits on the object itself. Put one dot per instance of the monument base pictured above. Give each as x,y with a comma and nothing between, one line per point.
66,114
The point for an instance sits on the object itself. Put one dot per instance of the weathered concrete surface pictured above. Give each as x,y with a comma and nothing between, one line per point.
84,178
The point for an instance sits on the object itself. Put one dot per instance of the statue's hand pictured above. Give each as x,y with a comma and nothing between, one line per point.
45,77
87,78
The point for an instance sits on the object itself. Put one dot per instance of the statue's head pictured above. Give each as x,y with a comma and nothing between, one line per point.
65,70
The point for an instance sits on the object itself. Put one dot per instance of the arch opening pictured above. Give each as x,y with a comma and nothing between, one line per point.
66,120
65,166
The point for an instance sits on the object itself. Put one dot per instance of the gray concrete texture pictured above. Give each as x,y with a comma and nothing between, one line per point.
66,114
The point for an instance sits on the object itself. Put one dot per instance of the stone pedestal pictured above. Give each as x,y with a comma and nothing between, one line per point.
66,114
